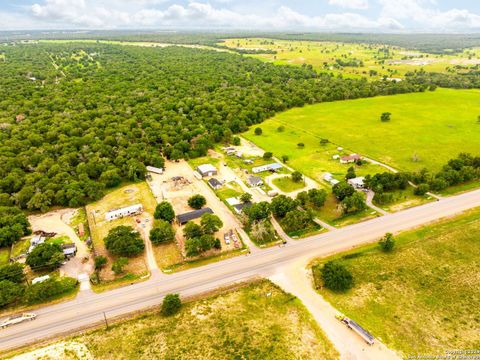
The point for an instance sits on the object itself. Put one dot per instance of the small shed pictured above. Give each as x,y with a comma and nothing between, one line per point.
207,170
155,170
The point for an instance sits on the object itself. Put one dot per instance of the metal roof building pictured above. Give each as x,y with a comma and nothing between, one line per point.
192,215
207,170
268,167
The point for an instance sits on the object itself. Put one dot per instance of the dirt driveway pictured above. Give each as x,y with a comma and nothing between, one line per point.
57,221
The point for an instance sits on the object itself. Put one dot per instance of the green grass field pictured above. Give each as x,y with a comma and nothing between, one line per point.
434,126
258,321
423,298
286,184
322,56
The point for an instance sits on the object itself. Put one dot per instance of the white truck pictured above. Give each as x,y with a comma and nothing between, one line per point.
17,319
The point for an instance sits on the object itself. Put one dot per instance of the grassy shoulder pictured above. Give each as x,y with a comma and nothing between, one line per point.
257,321
422,297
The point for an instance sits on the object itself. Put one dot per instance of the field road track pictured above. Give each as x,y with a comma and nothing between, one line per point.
90,308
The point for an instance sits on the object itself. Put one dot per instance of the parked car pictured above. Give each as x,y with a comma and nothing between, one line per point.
16,319
227,239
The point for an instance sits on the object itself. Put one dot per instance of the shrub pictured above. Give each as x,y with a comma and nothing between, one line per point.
386,116
45,257
236,141
297,176
336,276
164,211
246,197
197,201
49,289
124,241
421,189
100,261
258,131
171,305
119,264
162,233
12,272
262,232
9,292
267,155
387,243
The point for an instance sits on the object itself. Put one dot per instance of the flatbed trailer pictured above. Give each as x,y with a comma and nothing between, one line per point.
364,334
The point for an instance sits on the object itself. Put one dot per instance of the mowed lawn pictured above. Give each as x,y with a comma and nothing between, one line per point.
432,127
423,298
258,321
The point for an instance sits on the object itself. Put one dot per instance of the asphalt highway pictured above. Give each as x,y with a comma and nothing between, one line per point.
89,308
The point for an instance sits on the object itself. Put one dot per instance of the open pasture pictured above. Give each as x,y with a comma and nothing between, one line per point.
355,59
423,297
425,131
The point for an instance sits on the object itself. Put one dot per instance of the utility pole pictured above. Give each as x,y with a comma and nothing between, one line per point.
106,322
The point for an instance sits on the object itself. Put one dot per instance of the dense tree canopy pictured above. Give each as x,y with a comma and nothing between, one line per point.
77,118
13,225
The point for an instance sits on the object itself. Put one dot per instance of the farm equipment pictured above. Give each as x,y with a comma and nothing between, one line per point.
352,325
17,319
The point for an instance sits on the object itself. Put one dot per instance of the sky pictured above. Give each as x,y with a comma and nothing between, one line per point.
440,16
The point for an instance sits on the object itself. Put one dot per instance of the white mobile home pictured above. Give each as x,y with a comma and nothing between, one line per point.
126,211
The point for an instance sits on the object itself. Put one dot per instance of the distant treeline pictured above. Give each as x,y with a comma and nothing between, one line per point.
468,80
431,43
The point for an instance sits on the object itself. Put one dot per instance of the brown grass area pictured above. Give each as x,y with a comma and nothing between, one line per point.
257,321
99,227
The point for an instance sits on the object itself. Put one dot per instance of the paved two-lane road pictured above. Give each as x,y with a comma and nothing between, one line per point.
88,308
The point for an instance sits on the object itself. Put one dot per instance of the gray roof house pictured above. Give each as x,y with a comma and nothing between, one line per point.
255,181
214,183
